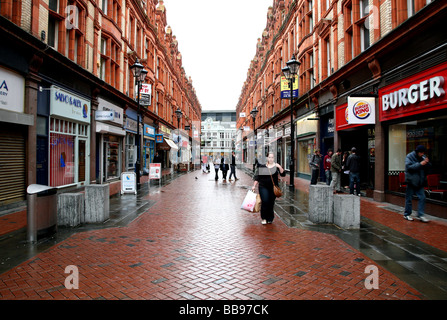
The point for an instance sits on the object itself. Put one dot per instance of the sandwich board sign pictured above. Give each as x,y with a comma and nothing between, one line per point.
128,182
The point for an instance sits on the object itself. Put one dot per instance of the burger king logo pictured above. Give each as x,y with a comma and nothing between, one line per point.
361,110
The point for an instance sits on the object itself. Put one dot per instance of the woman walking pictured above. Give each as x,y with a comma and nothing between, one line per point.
263,178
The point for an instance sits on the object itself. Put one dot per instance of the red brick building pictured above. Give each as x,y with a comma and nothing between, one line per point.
68,112
391,51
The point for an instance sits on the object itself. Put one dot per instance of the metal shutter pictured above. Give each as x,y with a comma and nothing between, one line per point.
12,166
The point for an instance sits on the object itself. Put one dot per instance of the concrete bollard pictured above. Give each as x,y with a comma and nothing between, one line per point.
70,209
347,211
97,203
321,201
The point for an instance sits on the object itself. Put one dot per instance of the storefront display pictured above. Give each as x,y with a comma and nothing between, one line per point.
112,156
414,111
110,140
69,138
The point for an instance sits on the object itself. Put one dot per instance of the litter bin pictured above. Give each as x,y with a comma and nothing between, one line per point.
42,211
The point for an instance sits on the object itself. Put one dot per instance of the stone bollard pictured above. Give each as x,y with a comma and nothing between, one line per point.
70,209
321,201
97,203
347,211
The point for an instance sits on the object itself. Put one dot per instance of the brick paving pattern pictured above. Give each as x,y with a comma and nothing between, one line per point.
196,243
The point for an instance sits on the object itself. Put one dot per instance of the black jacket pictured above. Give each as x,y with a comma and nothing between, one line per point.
353,163
415,174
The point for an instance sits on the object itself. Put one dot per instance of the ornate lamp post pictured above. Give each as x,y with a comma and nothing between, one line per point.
289,72
178,113
139,74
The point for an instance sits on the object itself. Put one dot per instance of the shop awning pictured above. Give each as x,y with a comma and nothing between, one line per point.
171,144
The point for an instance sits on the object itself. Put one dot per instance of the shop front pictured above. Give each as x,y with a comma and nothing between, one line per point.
131,140
165,146
358,132
327,129
306,130
110,135
14,124
413,112
69,138
149,145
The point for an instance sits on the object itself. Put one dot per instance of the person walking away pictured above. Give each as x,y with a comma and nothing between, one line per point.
263,180
327,166
216,168
315,166
336,171
233,166
353,165
416,165
224,167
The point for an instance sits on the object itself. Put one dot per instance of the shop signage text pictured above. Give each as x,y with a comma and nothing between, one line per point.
66,104
424,92
12,91
361,110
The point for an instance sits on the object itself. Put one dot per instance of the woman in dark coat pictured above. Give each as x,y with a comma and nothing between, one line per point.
263,179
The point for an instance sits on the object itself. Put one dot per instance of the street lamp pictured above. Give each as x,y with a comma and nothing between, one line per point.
253,113
289,72
178,113
139,74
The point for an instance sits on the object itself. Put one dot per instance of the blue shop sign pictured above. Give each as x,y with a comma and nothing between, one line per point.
149,131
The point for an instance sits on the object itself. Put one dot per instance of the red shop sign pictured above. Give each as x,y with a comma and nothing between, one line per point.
421,93
341,118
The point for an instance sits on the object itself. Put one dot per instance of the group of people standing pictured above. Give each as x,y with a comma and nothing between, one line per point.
336,167
339,164
222,164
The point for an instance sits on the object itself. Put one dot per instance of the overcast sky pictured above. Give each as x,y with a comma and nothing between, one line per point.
217,40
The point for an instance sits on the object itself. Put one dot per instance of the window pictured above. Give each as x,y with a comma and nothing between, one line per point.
53,5
54,21
103,59
104,4
53,30
357,30
75,24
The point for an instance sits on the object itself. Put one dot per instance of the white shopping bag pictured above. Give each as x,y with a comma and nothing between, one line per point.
249,201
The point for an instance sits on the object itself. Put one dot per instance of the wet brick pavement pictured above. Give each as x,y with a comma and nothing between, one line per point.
189,240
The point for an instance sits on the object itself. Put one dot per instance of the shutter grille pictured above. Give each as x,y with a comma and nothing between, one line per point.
12,167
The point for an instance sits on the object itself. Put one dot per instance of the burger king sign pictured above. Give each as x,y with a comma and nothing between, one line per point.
361,110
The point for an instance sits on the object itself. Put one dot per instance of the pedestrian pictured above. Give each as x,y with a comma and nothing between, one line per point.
233,166
336,171
416,165
216,167
345,172
224,167
327,166
353,165
157,158
263,180
315,166
204,163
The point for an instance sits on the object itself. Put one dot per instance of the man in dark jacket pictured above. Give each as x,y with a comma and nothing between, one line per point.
353,165
315,167
416,164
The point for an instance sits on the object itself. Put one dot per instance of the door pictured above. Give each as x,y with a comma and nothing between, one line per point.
82,160
42,161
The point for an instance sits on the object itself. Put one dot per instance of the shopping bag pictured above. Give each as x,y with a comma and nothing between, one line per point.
249,201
